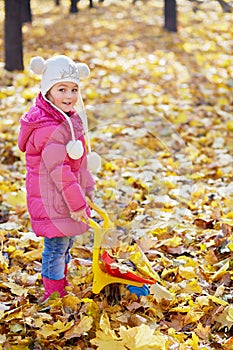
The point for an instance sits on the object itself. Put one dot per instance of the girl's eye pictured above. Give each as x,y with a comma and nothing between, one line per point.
75,90
62,90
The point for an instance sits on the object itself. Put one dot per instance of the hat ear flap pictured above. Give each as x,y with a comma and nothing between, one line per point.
83,70
37,65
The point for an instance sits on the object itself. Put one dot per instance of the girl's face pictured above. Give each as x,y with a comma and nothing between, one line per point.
63,95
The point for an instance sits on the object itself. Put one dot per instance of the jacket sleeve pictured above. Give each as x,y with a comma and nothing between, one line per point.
24,134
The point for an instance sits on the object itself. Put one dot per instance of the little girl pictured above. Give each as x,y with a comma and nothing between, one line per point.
58,169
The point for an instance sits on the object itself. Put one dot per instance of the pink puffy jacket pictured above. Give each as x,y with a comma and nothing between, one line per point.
55,183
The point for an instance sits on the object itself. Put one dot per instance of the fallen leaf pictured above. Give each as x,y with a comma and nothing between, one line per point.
80,328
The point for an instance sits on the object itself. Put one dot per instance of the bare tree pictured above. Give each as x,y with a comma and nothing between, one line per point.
73,6
170,15
225,6
13,36
26,13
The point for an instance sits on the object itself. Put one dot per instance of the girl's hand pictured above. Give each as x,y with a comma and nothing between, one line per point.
91,196
80,215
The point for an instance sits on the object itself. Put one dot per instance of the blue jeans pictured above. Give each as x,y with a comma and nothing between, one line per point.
55,256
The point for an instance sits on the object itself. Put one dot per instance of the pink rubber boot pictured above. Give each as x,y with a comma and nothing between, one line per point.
66,272
52,286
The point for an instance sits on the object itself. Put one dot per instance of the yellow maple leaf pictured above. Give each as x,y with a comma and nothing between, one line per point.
172,242
230,313
229,125
180,118
203,332
194,342
221,272
105,341
40,320
80,328
192,287
34,254
160,292
15,288
182,309
218,300
2,339
71,302
193,316
149,100
202,300
142,338
187,272
15,314
93,309
176,336
3,263
105,325
142,263
48,330
2,313
62,327
188,261
223,319
223,101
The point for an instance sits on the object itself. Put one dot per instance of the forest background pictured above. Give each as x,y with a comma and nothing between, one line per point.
160,114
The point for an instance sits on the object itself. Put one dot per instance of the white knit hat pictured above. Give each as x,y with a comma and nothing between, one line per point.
60,69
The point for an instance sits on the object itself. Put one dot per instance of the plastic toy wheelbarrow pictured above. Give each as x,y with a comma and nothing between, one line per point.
104,267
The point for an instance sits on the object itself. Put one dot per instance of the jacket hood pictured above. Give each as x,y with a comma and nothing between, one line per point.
39,115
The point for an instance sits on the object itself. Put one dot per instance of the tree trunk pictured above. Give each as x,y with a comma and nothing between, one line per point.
225,6
170,15
13,36
73,6
26,13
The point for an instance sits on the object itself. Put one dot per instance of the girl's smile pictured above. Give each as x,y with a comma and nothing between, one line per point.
64,95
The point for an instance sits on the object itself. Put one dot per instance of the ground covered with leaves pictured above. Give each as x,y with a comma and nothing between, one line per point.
160,114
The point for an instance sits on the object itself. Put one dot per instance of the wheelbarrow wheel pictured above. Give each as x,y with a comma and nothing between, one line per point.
139,291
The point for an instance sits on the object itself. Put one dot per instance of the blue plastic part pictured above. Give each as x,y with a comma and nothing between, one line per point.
144,290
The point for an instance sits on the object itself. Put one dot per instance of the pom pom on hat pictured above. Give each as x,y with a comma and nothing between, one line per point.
37,65
75,149
93,162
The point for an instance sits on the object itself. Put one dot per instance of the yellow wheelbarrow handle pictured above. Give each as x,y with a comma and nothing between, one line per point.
101,278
